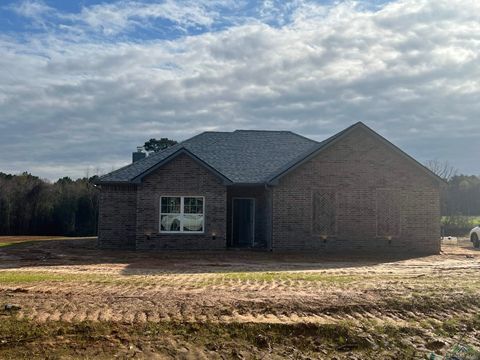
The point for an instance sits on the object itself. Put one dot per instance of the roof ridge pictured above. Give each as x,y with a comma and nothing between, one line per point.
277,131
216,147
303,137
259,130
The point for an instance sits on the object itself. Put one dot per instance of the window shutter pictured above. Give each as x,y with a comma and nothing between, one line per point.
388,212
324,212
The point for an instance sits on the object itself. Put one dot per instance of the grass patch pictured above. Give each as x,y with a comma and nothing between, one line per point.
11,277
18,336
459,225
5,244
7,241
290,276
21,243
23,338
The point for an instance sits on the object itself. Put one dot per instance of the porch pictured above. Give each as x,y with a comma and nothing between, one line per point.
249,217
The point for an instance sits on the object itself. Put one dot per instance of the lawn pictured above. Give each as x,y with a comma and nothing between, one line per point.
459,225
76,301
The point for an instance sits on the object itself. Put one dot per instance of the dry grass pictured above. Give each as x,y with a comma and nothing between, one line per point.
232,304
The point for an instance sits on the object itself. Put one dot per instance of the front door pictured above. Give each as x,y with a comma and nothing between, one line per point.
243,222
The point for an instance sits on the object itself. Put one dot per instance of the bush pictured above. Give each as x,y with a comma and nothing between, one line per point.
458,225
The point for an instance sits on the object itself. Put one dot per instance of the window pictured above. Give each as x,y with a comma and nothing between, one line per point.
324,217
182,214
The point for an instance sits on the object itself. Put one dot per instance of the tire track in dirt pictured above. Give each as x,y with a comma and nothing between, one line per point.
45,307
140,295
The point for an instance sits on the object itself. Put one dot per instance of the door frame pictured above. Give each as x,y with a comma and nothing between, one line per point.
253,215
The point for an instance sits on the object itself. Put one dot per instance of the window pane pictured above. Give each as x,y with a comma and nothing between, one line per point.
193,223
193,205
170,223
170,205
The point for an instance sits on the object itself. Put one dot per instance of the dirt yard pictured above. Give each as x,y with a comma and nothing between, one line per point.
80,302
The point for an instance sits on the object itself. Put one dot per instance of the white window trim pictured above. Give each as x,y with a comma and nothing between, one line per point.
181,214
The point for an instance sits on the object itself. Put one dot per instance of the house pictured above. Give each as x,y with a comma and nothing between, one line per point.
273,190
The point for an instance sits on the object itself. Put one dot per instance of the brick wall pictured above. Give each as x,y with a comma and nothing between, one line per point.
117,217
355,169
181,177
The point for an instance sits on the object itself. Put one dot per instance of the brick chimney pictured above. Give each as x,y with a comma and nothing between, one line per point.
139,154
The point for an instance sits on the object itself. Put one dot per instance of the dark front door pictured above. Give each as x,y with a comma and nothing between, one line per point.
243,222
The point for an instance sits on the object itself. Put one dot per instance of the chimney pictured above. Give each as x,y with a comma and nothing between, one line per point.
138,155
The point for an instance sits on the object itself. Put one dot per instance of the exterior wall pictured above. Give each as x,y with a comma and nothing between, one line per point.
181,177
261,211
355,168
117,217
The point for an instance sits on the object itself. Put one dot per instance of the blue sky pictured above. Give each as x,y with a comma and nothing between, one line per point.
84,82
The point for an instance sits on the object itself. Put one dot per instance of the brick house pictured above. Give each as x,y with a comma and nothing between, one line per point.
274,190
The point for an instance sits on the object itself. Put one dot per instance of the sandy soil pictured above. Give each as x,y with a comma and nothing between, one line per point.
78,282
223,286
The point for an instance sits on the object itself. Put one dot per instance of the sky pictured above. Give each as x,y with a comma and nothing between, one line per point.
82,83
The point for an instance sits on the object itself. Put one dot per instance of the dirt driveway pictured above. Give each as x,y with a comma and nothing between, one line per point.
72,281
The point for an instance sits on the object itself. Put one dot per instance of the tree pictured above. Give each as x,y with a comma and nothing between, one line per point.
154,145
442,168
30,205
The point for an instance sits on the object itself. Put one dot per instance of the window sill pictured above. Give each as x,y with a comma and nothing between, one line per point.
181,233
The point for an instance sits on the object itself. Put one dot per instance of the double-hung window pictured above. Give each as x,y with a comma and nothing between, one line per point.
182,214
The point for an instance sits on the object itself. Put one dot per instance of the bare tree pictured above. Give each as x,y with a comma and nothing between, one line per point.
442,168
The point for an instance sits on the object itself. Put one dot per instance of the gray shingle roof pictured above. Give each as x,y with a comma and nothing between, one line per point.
242,156
247,156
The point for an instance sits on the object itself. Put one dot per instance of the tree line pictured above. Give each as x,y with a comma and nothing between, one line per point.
461,196
33,206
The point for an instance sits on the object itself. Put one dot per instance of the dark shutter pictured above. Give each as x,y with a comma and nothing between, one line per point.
324,213
388,212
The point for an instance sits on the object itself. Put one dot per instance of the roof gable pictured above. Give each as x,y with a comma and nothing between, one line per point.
240,157
173,156
338,137
246,156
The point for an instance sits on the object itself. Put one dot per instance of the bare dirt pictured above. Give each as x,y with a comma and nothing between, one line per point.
70,281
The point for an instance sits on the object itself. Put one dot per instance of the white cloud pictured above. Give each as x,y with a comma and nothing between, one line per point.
408,70
114,18
118,17
31,8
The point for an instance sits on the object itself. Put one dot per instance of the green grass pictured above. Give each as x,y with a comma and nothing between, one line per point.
22,277
23,338
19,335
292,276
28,241
5,244
11,277
21,243
473,220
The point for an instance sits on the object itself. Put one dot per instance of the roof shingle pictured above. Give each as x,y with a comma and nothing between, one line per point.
242,156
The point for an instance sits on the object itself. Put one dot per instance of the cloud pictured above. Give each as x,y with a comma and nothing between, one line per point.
118,17
114,18
407,68
31,9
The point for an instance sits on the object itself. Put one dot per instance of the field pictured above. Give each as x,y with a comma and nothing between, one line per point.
75,301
